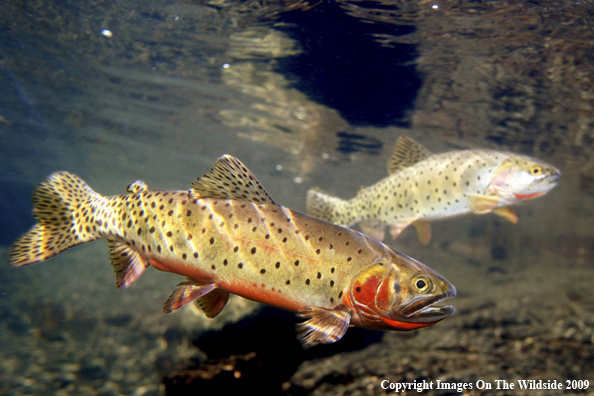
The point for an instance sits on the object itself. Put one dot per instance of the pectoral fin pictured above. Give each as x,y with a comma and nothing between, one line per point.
324,326
187,292
507,213
480,204
423,231
373,231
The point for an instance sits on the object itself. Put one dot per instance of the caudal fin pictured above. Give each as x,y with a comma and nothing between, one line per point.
324,206
60,205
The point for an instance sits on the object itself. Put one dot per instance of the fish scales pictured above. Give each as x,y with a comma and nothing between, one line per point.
241,243
434,189
226,235
423,187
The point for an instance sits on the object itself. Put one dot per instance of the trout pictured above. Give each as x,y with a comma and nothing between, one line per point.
226,235
423,187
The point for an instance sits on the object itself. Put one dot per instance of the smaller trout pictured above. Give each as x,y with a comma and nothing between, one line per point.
226,235
423,187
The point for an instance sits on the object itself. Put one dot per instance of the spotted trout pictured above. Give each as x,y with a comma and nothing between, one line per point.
226,235
423,187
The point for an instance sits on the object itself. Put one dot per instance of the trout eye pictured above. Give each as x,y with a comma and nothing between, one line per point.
536,170
422,284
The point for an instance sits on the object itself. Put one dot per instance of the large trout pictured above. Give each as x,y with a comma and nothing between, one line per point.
226,235
423,187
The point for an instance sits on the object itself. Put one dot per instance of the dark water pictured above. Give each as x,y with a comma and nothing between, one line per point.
342,66
305,95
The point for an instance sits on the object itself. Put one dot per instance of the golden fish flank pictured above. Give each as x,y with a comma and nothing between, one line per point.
226,235
424,187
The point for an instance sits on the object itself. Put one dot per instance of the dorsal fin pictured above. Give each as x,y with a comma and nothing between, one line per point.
230,179
406,153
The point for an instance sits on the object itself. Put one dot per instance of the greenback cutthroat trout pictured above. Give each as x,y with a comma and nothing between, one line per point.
226,235
423,187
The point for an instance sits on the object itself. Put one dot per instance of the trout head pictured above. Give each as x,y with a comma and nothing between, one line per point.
521,178
399,295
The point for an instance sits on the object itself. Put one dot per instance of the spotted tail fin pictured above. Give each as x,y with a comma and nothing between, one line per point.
324,206
56,203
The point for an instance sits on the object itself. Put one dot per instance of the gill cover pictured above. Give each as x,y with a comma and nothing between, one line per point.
375,294
387,297
522,178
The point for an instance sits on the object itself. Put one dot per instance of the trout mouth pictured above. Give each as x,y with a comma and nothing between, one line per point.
423,310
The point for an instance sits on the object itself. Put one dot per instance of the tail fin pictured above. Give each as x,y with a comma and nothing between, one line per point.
56,201
324,206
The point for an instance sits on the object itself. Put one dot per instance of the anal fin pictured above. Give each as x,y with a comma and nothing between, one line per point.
324,325
213,303
507,213
186,292
127,263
